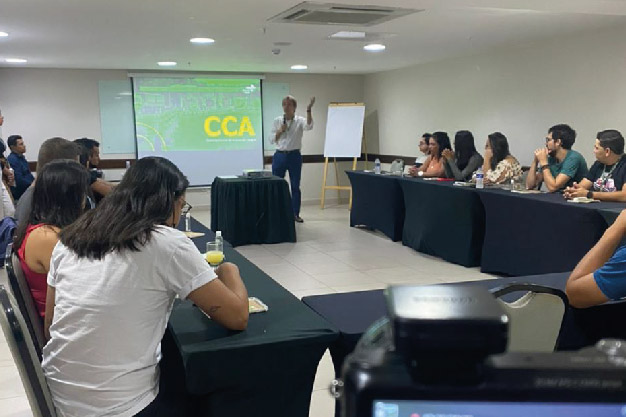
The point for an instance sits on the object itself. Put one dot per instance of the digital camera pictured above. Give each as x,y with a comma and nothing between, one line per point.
440,354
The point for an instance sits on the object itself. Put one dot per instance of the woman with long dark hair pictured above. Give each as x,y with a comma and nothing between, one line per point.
113,280
59,199
462,163
500,166
433,166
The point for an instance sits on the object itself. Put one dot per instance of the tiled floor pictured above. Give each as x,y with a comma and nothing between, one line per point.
329,257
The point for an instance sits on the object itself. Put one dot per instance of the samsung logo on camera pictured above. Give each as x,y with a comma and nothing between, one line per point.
443,299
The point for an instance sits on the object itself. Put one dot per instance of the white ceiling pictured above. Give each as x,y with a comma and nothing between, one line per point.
135,34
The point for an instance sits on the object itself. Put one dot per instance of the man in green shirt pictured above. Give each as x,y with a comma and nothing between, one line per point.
559,165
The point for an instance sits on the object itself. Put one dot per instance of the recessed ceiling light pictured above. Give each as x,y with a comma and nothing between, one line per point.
167,64
16,60
344,34
374,47
202,41
299,67
3,34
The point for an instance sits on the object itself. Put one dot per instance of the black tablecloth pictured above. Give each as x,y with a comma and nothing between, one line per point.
266,370
377,202
538,233
352,313
443,220
250,211
610,214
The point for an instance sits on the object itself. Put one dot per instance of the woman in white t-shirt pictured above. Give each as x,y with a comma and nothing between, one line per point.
113,279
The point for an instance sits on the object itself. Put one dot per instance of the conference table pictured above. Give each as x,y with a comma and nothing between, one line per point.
527,234
352,313
252,210
266,370
387,214
502,232
443,220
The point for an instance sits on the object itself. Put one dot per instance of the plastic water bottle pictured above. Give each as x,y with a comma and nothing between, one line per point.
188,222
377,166
219,241
127,167
479,178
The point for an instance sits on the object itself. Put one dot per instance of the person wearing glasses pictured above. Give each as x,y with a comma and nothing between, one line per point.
114,276
557,164
606,179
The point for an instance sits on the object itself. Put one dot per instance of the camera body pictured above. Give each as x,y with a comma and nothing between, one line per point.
440,354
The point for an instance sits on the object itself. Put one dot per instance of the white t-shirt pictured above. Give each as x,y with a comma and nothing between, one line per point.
421,159
290,139
109,318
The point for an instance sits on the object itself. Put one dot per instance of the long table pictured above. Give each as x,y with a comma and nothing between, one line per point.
443,220
537,233
267,369
503,232
352,313
387,214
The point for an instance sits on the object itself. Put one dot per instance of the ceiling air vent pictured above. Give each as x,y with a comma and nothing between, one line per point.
339,14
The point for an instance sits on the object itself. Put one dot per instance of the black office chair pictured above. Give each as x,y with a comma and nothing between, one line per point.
25,301
23,350
536,317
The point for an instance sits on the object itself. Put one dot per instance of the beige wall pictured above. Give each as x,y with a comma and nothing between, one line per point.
42,103
518,91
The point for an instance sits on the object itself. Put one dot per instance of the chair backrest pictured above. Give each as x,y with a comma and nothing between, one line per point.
23,351
397,166
535,318
25,301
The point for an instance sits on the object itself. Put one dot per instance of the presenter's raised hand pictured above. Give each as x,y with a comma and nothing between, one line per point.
311,103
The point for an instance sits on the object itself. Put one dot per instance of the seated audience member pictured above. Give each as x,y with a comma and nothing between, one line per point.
462,163
58,200
8,207
419,161
23,177
433,166
93,148
8,178
116,271
559,165
423,147
499,165
90,154
601,275
50,150
606,179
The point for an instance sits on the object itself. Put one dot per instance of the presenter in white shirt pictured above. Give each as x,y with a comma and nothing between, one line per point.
287,134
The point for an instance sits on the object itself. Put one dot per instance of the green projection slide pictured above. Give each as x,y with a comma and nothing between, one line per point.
197,114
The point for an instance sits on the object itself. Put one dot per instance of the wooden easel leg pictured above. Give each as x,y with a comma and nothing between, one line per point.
353,169
324,183
337,180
